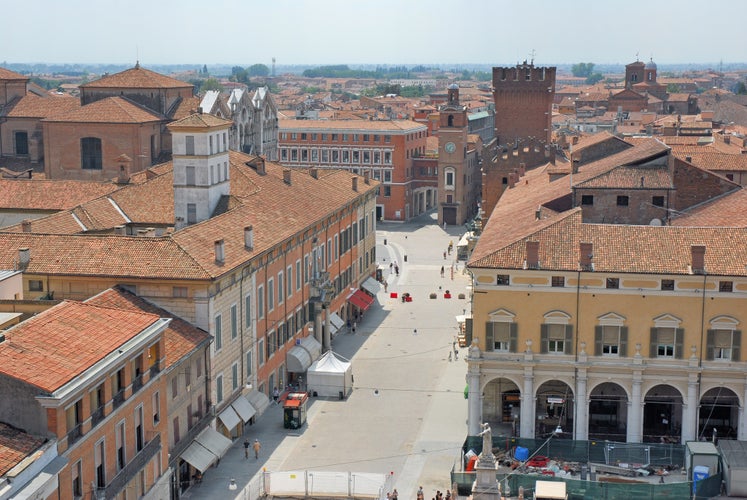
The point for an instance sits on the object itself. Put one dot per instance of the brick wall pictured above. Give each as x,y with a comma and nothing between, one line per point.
694,185
523,102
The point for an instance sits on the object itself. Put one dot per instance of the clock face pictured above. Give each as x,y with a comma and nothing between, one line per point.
450,147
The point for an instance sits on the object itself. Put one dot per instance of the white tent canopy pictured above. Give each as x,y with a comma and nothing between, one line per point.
329,376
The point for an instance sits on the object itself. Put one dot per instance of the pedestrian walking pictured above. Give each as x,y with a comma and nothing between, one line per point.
256,447
420,490
275,395
442,271
355,325
415,331
444,255
350,325
386,285
390,266
246,448
449,356
396,270
456,354
395,494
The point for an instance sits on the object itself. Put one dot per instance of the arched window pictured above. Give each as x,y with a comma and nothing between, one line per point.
449,178
667,337
724,341
90,153
501,332
556,334
611,336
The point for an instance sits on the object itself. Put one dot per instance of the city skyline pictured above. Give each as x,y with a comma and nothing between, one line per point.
385,32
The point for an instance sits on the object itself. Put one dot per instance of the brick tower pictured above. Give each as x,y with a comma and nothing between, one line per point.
523,102
452,158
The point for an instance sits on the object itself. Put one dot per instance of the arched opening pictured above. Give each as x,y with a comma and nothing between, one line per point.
451,120
554,410
501,406
718,414
608,404
662,415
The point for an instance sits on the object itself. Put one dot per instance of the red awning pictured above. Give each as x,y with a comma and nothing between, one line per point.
361,300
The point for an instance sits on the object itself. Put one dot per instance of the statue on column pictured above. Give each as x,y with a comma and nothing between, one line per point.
487,440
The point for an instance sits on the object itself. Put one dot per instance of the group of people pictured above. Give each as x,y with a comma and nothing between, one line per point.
439,495
256,446
395,266
456,351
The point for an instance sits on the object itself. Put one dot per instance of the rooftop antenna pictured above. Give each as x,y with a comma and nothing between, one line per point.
636,55
273,67
532,54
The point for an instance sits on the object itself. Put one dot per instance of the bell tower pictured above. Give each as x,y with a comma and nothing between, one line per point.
453,204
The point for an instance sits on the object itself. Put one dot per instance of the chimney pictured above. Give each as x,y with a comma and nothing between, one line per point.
575,140
586,253
727,139
522,169
261,166
287,176
124,169
532,257
698,258
355,183
24,257
199,110
511,180
26,226
574,166
220,250
366,177
120,230
314,173
538,213
689,159
249,237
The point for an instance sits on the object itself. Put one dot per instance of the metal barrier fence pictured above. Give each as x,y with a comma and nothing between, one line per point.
317,484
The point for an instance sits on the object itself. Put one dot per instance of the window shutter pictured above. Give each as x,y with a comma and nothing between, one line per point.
597,340
736,344
623,341
513,338
679,340
543,339
710,338
489,342
468,331
654,343
567,345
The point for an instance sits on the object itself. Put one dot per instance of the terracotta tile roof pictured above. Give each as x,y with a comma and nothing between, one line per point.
626,248
139,78
382,126
729,210
181,337
6,74
715,161
109,110
631,178
30,194
54,347
591,140
275,209
199,120
185,107
15,445
32,106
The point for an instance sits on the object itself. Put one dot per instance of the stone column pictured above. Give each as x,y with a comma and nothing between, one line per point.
582,408
474,396
327,344
742,430
635,411
318,323
527,404
690,410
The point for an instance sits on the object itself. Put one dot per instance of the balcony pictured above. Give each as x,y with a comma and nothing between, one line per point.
186,440
74,434
118,399
137,383
138,462
97,416
155,369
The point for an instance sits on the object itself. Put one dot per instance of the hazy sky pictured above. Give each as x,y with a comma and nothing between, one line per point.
244,32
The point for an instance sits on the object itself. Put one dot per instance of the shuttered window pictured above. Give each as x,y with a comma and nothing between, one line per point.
723,345
556,339
500,336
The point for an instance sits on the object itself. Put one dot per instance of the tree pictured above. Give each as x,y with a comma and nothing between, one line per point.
258,70
210,84
594,78
240,74
741,89
673,88
582,69
204,69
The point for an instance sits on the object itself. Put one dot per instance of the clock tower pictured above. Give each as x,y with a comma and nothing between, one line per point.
454,191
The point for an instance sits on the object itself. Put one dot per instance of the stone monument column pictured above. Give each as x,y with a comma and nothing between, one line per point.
486,485
474,399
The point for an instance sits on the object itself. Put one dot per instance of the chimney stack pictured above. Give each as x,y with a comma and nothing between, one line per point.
355,183
249,237
220,250
366,177
586,254
261,166
522,169
26,226
697,253
24,257
511,180
287,176
532,256
313,172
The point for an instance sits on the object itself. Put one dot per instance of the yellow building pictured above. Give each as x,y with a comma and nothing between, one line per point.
620,332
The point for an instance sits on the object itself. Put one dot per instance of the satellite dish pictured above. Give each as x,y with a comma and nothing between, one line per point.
655,222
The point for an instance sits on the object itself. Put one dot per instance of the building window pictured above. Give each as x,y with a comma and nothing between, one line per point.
610,340
235,376
175,424
179,292
664,343
587,199
219,388
289,275
190,172
613,283
248,310
725,286
298,275
234,322
191,213
90,153
657,201
189,145
77,473
387,191
667,285
271,341
622,201
218,333
281,287
100,464
249,364
556,338
156,408
36,286
139,429
270,294
500,336
502,279
260,301
449,179
261,352
558,281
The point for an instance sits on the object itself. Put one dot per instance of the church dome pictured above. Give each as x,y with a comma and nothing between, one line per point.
453,86
651,64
